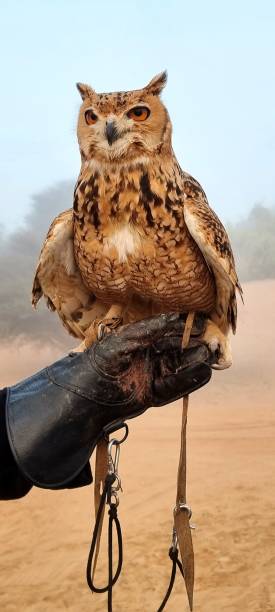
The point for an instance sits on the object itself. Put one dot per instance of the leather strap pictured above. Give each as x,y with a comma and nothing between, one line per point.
101,468
187,329
181,515
181,512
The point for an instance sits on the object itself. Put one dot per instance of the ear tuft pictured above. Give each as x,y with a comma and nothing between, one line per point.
85,91
157,84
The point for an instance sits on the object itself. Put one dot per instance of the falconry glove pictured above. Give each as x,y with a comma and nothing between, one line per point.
55,418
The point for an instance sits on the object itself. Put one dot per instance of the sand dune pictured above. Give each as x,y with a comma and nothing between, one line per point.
231,488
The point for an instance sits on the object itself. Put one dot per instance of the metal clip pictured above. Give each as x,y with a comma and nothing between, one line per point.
113,460
185,508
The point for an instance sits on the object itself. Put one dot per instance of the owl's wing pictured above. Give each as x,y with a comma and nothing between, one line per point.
211,237
58,279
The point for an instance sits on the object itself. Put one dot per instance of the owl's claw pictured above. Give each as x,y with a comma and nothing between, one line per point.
107,326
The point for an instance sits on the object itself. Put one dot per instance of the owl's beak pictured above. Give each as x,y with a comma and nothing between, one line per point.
111,132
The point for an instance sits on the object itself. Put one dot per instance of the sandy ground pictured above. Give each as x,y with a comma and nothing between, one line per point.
231,477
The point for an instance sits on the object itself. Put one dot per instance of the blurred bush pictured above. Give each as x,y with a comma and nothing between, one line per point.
253,242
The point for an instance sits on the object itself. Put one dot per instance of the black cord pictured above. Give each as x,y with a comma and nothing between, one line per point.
173,554
110,560
113,518
110,478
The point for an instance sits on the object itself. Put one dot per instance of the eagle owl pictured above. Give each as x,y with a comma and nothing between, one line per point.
141,238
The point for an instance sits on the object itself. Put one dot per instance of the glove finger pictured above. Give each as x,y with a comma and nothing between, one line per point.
170,350
175,386
174,361
144,333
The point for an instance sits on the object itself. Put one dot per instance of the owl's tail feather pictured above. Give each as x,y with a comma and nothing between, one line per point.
232,313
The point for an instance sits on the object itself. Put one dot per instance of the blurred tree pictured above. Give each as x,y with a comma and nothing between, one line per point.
253,241
19,252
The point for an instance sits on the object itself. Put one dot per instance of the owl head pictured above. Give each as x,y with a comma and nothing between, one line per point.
123,125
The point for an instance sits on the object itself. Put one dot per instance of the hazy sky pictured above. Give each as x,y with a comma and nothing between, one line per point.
220,58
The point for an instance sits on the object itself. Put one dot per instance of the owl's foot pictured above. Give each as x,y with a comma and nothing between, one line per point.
102,326
218,343
91,335
99,329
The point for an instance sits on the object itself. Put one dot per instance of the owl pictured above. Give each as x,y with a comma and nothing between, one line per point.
141,238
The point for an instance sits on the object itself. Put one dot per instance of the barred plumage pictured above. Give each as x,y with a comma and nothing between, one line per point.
141,237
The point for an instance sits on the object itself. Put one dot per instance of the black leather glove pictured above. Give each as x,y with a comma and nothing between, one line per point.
56,417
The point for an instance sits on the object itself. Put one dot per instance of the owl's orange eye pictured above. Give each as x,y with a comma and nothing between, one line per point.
90,117
139,113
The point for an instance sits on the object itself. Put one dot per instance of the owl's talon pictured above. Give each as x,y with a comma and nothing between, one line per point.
100,331
107,326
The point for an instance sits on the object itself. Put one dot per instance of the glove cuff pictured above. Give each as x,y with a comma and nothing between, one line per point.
54,421
52,431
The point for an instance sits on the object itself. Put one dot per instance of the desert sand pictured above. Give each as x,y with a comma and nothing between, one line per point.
231,488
